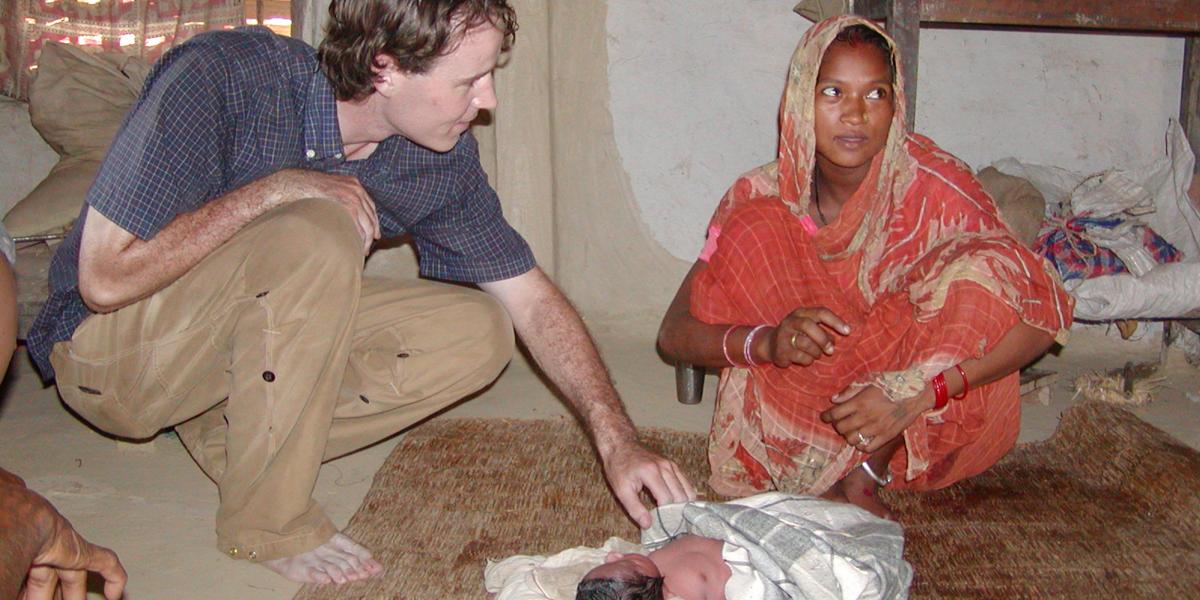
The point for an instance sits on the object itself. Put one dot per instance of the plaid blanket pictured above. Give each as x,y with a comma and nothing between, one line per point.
799,547
777,546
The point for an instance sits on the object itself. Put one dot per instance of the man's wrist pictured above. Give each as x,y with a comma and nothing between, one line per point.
614,437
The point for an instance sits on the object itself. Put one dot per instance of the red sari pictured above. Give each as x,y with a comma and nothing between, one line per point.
918,263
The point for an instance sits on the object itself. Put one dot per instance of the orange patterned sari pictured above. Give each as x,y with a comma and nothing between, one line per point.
918,263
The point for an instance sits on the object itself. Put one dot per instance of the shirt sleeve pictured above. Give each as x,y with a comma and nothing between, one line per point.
168,156
469,239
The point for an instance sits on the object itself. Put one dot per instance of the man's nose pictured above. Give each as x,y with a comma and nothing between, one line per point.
485,98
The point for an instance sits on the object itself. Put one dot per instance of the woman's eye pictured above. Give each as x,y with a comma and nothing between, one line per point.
830,91
877,94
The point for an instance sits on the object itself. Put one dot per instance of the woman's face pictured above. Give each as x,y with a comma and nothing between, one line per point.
853,106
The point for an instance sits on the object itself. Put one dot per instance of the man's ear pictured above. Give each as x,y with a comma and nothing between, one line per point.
388,76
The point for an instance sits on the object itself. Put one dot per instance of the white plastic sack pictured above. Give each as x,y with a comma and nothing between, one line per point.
1176,219
1168,291
1126,241
1165,291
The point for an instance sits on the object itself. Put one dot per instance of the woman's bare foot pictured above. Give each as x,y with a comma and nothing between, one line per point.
859,489
339,560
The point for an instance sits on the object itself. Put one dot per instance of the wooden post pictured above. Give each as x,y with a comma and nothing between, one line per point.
1189,103
904,25
298,7
902,19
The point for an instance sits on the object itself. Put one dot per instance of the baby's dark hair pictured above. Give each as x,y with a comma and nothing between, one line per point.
861,34
634,586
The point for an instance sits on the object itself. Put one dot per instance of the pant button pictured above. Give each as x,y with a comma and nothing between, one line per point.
268,376
253,555
233,551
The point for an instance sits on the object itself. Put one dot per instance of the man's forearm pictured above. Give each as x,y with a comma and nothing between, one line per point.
562,347
118,273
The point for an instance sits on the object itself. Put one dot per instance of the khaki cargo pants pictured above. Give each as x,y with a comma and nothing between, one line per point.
275,354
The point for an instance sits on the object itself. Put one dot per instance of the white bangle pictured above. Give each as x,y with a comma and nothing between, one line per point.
882,481
749,343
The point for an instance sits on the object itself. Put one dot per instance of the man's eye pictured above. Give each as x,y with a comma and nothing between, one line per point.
877,94
830,91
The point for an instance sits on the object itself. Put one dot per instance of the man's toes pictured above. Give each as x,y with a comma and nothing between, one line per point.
346,544
315,575
353,563
373,566
335,572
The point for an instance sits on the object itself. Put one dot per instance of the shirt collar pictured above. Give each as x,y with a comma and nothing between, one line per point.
322,137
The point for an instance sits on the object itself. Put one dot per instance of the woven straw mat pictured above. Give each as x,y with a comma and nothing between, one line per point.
1107,508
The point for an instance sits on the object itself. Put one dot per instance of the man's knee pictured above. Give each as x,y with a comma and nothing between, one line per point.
306,234
312,223
488,330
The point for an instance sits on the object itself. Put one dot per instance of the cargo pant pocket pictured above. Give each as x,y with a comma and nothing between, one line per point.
120,395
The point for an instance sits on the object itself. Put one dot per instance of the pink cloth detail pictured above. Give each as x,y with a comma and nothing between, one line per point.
710,244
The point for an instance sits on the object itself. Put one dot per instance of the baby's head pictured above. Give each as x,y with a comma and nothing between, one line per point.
622,577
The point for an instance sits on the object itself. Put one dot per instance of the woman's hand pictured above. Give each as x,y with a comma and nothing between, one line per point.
802,337
868,412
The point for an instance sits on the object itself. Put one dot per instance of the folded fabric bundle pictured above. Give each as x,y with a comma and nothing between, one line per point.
1074,247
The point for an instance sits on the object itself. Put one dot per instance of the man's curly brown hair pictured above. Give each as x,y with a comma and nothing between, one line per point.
414,33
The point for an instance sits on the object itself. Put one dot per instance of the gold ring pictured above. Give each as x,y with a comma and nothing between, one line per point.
793,341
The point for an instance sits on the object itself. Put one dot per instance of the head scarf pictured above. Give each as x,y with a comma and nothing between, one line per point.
788,179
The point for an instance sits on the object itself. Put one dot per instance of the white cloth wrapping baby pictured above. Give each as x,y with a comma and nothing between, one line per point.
796,547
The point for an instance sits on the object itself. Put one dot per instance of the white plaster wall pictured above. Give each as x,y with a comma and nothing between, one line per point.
1081,101
695,86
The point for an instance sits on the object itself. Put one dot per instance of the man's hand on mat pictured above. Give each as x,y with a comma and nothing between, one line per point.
869,412
339,560
631,468
802,337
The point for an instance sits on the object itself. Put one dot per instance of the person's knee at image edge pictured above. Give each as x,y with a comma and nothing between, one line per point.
41,554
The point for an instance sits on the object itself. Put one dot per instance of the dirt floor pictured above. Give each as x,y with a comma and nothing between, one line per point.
151,504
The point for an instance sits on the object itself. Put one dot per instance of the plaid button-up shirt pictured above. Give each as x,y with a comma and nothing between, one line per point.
229,107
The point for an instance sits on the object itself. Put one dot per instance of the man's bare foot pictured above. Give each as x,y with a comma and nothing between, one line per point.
339,560
859,489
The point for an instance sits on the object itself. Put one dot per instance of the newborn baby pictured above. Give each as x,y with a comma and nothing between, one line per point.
697,566
771,546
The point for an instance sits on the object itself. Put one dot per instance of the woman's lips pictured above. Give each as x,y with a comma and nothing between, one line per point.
851,141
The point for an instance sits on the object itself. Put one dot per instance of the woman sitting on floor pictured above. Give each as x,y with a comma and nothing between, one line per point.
867,305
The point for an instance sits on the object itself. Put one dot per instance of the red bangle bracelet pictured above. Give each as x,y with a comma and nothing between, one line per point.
966,384
941,396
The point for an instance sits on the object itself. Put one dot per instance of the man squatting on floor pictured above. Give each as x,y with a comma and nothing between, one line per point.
213,282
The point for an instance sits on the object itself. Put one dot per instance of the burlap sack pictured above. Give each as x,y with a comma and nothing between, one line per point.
77,103
1021,206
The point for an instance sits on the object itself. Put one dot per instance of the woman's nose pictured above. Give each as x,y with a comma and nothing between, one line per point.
855,112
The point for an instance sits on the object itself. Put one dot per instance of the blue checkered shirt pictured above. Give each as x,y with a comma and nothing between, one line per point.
229,107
